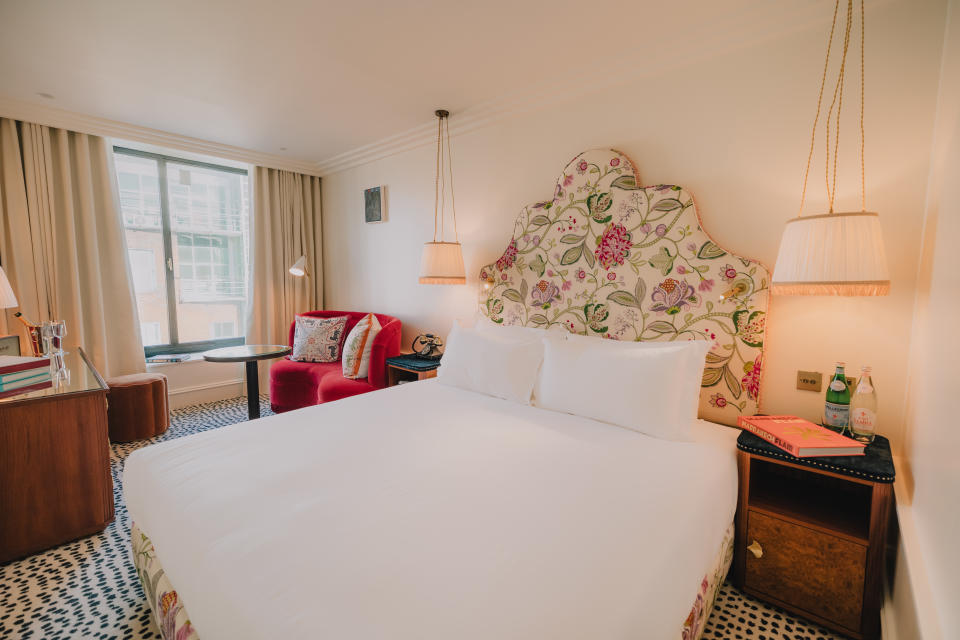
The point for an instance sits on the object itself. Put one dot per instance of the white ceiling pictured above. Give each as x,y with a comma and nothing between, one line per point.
313,80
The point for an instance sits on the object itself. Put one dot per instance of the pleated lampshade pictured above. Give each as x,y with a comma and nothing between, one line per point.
442,263
834,254
7,298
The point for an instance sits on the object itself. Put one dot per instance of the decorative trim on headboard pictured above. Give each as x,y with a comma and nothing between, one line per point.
609,258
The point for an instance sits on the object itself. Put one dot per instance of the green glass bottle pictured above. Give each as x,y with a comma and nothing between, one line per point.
836,414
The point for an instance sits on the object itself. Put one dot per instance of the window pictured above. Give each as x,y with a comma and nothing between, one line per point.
150,331
187,229
221,329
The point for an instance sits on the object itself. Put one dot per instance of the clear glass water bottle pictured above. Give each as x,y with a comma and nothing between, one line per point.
863,408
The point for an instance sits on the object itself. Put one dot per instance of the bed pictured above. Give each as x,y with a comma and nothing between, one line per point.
426,511
430,511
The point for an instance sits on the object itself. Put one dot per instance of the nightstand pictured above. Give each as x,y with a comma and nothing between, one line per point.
811,532
410,367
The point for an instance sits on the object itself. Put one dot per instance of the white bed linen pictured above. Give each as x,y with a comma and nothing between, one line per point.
430,512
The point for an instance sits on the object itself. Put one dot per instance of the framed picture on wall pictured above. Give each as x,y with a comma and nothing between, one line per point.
374,205
9,345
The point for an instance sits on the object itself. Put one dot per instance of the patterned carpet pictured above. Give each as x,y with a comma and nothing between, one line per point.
87,588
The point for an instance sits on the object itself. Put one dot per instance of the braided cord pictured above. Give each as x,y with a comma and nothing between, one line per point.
816,119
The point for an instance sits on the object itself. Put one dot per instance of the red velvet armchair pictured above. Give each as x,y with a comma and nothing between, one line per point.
302,384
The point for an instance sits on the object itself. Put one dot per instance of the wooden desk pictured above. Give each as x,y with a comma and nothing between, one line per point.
55,482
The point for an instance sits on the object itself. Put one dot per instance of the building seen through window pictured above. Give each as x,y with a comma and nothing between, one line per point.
187,229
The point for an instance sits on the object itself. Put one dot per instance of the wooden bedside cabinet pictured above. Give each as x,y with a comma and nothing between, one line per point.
811,533
410,367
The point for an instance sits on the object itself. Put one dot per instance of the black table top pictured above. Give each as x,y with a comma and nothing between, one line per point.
414,362
247,352
876,463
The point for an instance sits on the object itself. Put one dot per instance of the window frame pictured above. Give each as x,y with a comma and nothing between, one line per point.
175,346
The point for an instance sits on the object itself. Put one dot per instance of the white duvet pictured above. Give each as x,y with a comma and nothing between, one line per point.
428,512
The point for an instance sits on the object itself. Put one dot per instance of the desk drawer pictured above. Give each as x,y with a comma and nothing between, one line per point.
806,568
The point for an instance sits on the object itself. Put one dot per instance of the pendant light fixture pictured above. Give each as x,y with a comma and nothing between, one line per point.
442,261
834,253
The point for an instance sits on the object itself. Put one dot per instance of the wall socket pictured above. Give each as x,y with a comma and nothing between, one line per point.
809,380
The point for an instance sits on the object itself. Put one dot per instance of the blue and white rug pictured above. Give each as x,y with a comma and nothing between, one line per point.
88,589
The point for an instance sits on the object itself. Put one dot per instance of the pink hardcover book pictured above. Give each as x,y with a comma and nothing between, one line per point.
800,437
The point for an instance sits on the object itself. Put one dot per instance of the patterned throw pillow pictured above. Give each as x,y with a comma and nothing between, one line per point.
318,339
356,349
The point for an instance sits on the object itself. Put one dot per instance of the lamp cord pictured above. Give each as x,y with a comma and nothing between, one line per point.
863,170
436,185
440,186
453,201
816,118
837,100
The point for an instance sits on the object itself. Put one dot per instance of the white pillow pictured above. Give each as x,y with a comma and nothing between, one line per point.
499,365
651,390
357,347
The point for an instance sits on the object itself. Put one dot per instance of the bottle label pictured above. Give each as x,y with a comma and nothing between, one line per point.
836,415
863,420
837,385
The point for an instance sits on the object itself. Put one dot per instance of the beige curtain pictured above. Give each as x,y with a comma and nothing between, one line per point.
62,242
286,225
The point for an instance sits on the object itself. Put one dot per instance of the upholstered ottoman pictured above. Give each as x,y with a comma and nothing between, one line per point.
137,406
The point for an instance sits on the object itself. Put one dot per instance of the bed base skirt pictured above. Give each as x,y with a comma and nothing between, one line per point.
174,623
168,610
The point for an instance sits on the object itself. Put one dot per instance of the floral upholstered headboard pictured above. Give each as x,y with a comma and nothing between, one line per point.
610,258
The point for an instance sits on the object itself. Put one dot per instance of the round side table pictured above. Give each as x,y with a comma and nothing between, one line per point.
250,354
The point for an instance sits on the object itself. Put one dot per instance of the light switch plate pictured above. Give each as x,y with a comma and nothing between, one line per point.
809,380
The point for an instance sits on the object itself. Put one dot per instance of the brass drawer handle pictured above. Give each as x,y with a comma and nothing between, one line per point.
756,549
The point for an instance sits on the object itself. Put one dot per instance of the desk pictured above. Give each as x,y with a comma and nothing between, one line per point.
55,480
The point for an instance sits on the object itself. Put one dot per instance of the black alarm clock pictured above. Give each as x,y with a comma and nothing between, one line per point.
427,346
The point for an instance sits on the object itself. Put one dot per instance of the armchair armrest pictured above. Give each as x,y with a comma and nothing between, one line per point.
385,345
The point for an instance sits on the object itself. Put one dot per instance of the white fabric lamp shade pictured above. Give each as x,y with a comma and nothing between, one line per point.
834,254
299,267
7,297
442,263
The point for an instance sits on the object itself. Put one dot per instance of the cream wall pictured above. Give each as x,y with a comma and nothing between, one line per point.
733,129
932,512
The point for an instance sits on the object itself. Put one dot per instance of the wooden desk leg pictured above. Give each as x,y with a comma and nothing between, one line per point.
253,390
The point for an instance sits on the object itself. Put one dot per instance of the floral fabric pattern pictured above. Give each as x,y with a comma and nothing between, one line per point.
171,616
694,625
610,258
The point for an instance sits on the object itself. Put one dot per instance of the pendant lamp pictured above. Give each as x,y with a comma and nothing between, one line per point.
442,261
834,253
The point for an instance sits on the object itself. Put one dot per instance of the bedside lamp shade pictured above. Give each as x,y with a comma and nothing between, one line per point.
7,297
834,254
442,263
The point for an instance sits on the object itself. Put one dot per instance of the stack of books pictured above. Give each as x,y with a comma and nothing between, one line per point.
800,437
19,374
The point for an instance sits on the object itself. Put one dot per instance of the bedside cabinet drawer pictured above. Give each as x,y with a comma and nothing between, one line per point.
809,569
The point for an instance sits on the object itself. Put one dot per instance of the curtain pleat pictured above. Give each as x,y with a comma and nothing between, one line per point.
286,225
66,246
